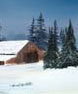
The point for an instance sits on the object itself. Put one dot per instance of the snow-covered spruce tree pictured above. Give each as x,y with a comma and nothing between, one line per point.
55,36
51,54
41,33
62,37
32,35
69,54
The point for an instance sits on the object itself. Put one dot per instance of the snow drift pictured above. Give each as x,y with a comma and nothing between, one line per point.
32,79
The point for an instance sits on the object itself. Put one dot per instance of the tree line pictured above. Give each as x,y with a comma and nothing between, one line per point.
38,33
55,58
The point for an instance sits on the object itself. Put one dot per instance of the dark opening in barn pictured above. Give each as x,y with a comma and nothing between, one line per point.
31,57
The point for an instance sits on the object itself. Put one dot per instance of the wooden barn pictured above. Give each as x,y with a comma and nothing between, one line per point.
19,52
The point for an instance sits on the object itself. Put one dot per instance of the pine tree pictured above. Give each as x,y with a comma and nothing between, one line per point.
62,37
70,38
56,36
32,36
69,55
51,54
41,32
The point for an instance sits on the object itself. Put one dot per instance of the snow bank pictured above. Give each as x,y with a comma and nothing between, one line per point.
32,79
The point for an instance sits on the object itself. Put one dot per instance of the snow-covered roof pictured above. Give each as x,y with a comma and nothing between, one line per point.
6,57
12,47
9,49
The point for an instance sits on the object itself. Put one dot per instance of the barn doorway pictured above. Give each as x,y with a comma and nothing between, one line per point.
31,57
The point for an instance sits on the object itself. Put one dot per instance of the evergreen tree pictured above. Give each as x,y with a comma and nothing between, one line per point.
41,32
70,38
32,36
62,37
56,36
51,54
69,55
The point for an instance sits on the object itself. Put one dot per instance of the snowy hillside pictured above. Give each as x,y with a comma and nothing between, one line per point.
32,79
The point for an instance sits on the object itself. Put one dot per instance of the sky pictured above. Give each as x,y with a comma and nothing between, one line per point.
16,15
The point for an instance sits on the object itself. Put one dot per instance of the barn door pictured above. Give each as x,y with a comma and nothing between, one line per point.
32,57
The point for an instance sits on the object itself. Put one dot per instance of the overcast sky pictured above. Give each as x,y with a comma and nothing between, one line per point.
16,15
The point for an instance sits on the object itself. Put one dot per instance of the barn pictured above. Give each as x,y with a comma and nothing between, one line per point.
19,52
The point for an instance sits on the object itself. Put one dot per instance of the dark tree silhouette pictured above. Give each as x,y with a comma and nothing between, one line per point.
56,36
69,54
51,54
32,36
41,32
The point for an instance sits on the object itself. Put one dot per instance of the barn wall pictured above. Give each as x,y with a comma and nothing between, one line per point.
30,48
23,54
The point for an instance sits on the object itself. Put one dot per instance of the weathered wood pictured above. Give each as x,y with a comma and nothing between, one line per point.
30,53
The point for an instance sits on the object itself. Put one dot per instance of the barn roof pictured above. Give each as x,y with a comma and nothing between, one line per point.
9,49
6,57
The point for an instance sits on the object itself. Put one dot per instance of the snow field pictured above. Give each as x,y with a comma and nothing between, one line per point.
32,79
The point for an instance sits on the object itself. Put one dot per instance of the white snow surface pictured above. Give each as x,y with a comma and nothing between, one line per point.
32,79
12,47
9,49
6,57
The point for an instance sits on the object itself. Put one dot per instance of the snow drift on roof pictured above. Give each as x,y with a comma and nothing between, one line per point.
11,47
6,57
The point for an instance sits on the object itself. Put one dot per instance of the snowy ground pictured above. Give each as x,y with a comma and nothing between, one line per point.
32,79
